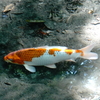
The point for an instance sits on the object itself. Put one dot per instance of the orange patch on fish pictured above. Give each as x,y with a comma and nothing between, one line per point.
28,54
52,51
20,56
79,51
69,51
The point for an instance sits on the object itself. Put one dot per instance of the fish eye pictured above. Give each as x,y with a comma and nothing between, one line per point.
10,59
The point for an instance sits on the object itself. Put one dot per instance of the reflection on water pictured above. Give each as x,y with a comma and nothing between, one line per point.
71,70
80,80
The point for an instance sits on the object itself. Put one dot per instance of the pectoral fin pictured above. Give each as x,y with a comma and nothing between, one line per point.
30,68
51,66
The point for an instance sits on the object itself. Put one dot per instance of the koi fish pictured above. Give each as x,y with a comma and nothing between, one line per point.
48,56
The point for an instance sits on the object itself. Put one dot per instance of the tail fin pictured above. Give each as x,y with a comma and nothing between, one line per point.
87,54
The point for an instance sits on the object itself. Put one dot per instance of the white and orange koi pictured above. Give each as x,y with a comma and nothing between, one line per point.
48,56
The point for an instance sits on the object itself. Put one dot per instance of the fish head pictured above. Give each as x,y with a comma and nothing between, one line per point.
13,58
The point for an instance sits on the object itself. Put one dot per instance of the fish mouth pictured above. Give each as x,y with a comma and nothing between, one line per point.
8,61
